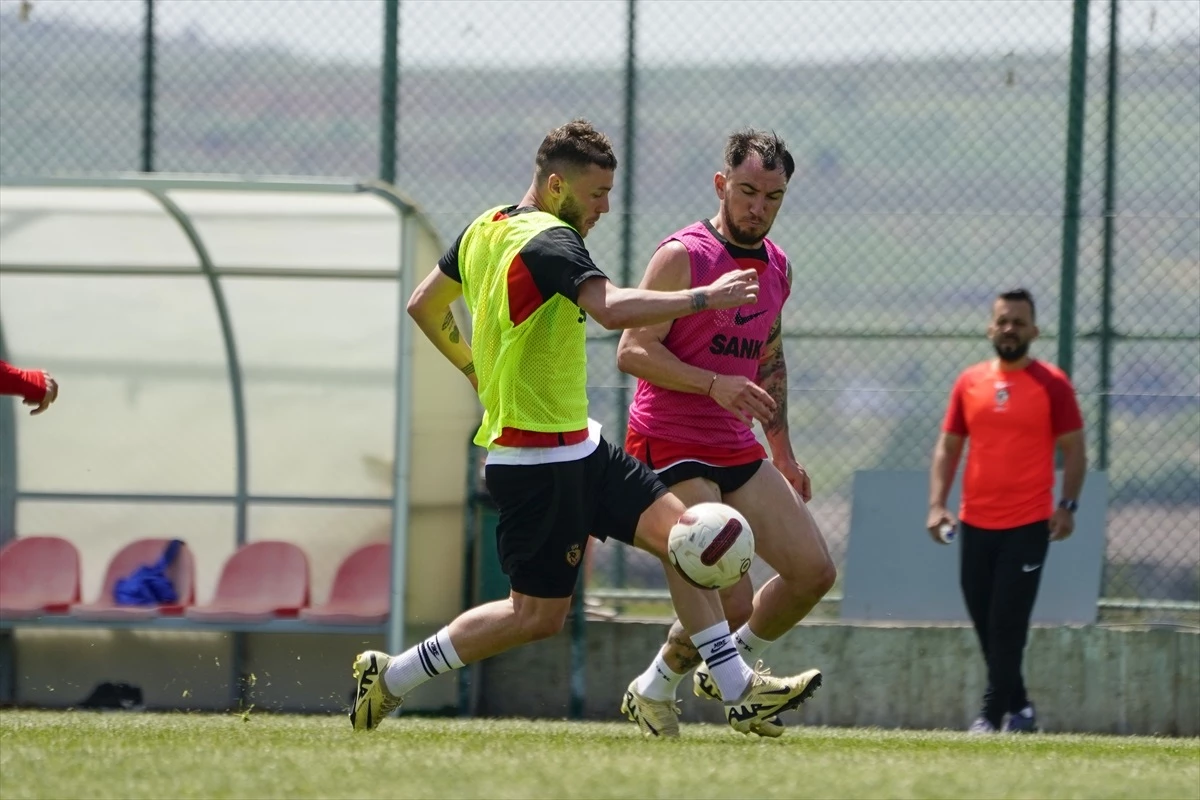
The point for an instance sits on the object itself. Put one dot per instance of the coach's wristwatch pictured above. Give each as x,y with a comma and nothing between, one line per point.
1069,505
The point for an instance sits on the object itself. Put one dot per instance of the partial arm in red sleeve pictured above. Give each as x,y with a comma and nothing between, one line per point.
28,384
35,386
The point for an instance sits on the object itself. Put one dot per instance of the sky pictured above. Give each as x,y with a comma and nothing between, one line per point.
538,32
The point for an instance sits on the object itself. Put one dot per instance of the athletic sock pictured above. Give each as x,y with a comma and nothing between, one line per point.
725,663
418,664
750,645
659,681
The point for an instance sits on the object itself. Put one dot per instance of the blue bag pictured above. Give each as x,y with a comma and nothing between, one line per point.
149,585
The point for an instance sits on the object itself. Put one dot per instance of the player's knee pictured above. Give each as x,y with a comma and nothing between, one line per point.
813,581
544,622
826,576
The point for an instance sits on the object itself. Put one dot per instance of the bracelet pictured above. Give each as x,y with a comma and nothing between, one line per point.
712,384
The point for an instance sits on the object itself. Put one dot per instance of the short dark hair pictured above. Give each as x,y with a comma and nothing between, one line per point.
575,145
770,148
1023,294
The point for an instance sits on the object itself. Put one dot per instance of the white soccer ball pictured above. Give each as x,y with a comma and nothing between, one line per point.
711,546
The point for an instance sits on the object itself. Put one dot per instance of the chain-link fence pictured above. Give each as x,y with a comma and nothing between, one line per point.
937,165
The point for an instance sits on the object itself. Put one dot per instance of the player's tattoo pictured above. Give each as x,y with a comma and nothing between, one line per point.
448,324
699,301
681,655
468,369
776,330
772,377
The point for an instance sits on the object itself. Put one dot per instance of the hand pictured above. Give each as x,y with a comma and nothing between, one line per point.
50,396
743,398
1062,524
733,289
938,516
796,475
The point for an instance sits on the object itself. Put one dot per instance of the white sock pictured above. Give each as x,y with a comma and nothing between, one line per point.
658,682
418,664
749,645
725,663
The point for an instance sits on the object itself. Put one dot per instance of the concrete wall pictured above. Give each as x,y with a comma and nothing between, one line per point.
186,670
1083,679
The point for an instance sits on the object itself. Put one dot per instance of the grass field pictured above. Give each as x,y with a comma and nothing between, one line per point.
126,755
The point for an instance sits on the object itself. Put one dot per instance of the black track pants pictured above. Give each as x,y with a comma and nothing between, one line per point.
1000,573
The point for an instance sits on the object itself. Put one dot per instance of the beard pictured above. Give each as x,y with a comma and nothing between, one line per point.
1010,350
740,236
571,212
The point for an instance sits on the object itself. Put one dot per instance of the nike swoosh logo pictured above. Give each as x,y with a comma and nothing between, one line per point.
738,319
1029,567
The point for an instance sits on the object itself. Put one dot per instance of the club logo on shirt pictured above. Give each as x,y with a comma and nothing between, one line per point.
1001,396
574,553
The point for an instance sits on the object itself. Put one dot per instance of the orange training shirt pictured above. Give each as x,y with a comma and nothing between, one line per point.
1013,418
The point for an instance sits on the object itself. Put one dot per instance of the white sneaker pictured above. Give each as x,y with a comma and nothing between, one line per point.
373,701
704,686
769,696
654,717
981,727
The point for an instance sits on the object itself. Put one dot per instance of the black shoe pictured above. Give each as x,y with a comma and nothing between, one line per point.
1023,721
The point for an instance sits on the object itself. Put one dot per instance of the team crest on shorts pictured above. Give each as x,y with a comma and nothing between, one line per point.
574,553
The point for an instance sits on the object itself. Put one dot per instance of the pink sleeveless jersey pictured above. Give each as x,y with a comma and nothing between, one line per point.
729,342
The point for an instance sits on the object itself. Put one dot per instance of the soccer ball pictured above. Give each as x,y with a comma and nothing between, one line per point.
711,546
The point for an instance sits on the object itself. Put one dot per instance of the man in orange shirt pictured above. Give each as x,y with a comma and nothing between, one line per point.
1016,410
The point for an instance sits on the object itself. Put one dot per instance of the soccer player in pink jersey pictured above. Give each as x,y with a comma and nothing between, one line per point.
702,381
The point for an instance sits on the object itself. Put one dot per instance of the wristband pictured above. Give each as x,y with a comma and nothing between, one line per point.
711,384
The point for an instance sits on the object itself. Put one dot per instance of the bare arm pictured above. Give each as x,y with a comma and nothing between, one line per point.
1073,447
616,308
429,307
641,351
1074,452
772,377
946,454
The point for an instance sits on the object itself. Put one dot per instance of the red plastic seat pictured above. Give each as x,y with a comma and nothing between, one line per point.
38,575
260,582
133,555
362,589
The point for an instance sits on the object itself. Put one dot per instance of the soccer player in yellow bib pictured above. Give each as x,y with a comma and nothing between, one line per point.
530,284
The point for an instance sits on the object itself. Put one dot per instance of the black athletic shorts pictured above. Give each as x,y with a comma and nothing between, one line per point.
727,479
547,512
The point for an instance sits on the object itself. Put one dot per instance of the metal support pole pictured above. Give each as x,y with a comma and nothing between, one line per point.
1077,93
8,459
388,91
402,447
148,90
237,681
1106,277
628,158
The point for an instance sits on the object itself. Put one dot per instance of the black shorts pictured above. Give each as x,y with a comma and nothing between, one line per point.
547,512
727,479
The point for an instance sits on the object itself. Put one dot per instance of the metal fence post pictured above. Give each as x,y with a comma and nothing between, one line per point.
148,90
1074,177
627,200
388,91
1110,182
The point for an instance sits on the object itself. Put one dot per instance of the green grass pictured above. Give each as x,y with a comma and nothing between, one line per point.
123,755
